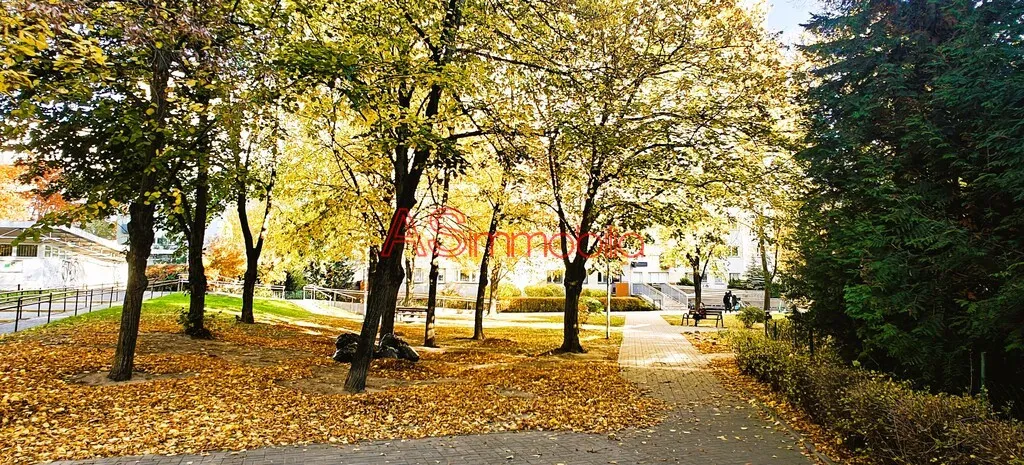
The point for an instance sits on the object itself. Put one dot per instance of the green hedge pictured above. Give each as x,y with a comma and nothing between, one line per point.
557,304
545,290
881,419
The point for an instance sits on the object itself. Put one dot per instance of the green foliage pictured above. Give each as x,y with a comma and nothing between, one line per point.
909,239
685,281
557,304
880,418
330,274
544,290
749,315
507,291
739,284
591,304
294,281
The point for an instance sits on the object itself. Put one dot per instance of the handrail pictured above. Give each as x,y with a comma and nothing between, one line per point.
674,293
62,296
358,296
656,296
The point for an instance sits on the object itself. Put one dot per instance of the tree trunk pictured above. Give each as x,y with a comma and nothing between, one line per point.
493,303
197,282
410,280
141,238
253,248
249,288
196,231
575,272
767,277
429,337
696,287
481,288
387,321
140,228
383,294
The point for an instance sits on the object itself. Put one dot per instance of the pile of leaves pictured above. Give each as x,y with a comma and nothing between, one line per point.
274,384
710,342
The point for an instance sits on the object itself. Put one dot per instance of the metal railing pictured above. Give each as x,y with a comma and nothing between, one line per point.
353,300
682,299
63,300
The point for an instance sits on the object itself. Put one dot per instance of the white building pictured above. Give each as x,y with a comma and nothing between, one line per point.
63,257
460,276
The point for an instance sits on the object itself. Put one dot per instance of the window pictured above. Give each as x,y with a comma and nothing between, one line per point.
734,251
600,277
441,273
51,251
6,250
419,275
28,250
734,276
467,276
556,276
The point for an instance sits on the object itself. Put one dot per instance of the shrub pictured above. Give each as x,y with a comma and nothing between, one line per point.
883,419
684,281
749,315
508,290
163,272
557,304
739,284
598,293
545,290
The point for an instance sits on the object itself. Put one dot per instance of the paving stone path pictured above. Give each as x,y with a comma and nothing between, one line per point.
706,426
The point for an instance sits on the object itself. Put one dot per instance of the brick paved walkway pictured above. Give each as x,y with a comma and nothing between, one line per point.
707,425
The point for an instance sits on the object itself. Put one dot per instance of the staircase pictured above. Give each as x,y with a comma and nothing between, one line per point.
660,299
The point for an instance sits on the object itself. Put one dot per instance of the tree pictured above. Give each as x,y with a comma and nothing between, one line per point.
105,137
121,100
402,89
909,238
630,103
698,240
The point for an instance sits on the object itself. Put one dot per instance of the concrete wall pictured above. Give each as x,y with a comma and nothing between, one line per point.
49,272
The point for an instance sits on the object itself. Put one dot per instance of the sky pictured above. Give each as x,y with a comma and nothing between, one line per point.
786,16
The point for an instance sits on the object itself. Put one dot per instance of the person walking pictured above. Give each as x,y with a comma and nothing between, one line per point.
735,302
727,301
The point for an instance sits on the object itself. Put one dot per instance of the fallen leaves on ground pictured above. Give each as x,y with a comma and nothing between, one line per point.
715,342
274,384
751,390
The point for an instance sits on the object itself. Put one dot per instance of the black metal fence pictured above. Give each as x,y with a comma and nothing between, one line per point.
33,303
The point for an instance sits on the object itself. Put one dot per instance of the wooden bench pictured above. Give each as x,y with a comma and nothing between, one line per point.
410,311
709,314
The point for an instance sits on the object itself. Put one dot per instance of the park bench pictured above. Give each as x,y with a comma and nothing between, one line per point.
410,311
713,312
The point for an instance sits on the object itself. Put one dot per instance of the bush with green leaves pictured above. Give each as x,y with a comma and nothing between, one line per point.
749,315
545,290
508,290
882,420
557,304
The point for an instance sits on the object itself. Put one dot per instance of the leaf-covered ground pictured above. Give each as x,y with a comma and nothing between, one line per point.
274,384
761,394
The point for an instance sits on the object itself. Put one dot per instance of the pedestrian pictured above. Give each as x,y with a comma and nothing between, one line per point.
727,301
735,302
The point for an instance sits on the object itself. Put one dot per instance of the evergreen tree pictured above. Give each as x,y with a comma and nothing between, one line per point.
910,240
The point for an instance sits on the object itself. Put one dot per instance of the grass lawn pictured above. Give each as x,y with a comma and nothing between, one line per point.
273,383
594,319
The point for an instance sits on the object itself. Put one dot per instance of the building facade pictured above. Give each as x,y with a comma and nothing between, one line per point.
62,257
